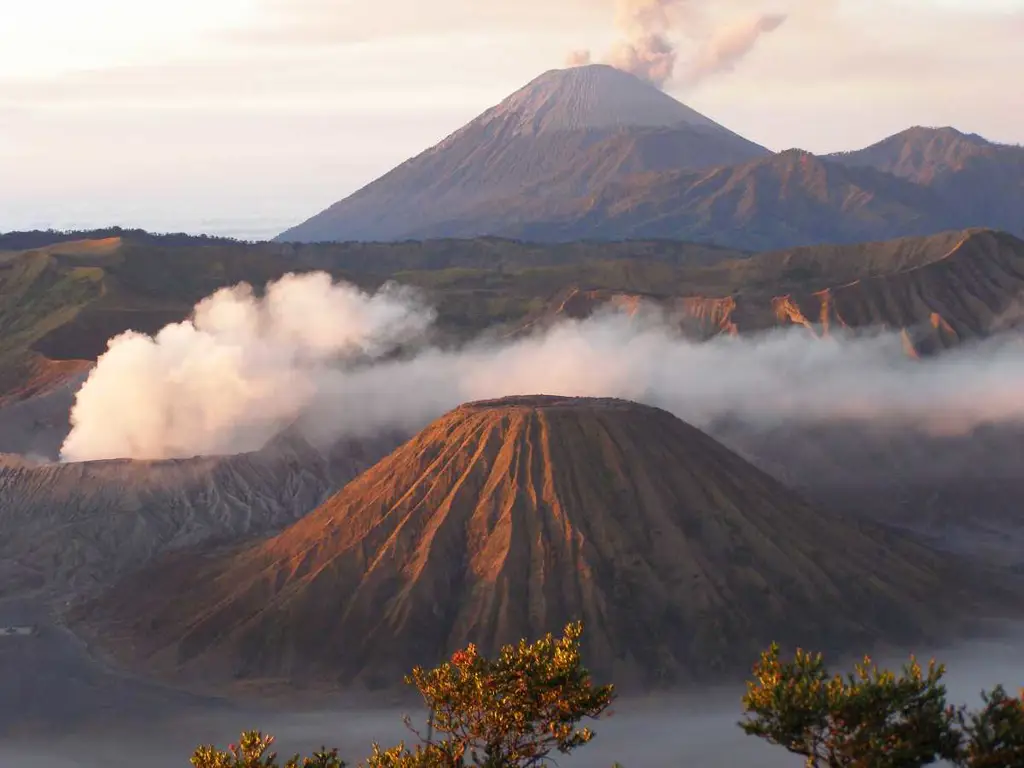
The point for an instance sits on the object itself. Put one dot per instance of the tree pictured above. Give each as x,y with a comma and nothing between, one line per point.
871,717
253,751
994,736
510,712
874,718
514,710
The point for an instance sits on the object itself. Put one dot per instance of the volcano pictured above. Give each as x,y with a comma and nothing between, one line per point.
562,135
505,519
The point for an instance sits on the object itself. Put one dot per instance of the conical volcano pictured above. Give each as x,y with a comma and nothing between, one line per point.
564,134
506,519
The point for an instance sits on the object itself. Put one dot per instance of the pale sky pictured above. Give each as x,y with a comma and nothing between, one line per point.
243,117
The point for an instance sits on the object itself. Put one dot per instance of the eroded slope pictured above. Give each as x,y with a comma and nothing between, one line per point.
73,527
506,519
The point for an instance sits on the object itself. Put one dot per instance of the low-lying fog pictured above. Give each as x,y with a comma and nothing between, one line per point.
241,369
696,730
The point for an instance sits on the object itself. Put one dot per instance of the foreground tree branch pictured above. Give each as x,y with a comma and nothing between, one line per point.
510,712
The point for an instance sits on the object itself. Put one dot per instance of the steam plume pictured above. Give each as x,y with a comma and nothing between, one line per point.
648,48
316,354
229,378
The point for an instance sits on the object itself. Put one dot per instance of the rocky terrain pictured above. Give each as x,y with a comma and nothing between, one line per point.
505,519
938,291
71,528
36,424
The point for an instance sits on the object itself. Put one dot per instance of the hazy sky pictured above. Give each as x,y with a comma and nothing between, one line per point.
244,116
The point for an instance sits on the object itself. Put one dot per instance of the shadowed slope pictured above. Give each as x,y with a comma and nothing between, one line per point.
505,519
567,131
981,180
550,165
69,527
790,199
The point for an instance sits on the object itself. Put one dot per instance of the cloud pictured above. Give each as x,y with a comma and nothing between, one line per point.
327,22
342,363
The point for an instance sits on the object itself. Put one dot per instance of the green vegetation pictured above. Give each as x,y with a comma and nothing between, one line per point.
517,710
67,293
874,718
36,296
92,287
64,298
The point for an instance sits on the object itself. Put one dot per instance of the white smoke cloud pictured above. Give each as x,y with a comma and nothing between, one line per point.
230,377
310,353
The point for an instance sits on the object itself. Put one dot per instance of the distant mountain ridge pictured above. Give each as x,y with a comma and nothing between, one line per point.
60,304
595,153
919,154
977,180
938,292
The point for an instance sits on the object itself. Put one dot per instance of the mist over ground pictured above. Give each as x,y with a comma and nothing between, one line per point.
342,363
339,363
696,730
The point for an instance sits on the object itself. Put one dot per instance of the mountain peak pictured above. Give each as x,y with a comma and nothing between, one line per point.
505,519
564,134
939,133
593,97
922,154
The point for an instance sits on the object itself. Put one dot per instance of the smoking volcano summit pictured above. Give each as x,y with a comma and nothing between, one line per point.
565,133
504,519
596,153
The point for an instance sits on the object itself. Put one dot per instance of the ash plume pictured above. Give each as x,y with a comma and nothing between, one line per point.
645,49
649,48
729,46
651,57
579,58
320,355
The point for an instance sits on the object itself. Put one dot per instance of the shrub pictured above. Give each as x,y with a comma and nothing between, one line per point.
510,712
873,718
